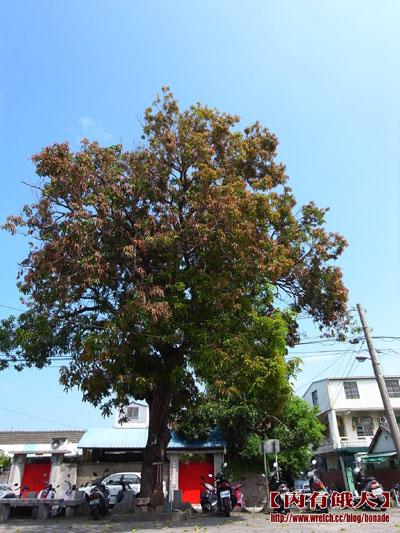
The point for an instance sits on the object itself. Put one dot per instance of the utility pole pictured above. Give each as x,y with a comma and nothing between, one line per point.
394,428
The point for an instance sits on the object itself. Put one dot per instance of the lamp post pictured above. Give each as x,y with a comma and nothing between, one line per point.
394,428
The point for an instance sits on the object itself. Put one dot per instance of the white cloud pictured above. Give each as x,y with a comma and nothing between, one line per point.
87,122
89,128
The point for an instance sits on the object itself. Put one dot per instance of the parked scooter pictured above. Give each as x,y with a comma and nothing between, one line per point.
276,485
125,488
362,483
237,495
218,497
6,491
69,494
316,485
48,493
224,492
208,498
99,497
395,494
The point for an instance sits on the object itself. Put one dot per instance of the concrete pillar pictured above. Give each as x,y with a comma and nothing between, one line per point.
55,472
218,460
334,431
17,469
346,482
173,474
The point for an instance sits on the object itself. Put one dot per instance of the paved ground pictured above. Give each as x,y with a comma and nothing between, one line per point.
237,523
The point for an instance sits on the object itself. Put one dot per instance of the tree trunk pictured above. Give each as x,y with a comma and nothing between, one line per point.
157,441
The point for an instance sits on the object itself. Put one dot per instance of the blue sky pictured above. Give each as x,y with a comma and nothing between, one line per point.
323,76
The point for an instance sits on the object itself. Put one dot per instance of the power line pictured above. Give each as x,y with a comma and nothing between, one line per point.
38,418
325,369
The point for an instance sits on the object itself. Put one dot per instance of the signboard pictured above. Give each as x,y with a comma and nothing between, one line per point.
270,446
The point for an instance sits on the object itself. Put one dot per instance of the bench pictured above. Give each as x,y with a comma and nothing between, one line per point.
40,507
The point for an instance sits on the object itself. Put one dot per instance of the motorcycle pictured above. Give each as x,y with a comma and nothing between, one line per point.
276,485
6,491
316,485
125,488
395,493
362,483
224,493
237,495
69,494
208,498
219,497
99,497
49,493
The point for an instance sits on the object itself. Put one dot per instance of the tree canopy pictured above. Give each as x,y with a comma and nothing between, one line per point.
245,425
181,261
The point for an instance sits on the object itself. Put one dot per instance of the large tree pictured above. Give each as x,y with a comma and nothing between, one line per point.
167,265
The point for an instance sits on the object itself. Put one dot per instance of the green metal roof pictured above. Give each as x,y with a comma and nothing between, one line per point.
377,457
136,439
352,449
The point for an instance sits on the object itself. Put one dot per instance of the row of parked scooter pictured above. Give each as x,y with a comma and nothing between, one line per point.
223,496
98,494
362,483
48,493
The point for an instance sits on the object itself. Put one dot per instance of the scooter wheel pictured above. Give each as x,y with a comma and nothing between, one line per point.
95,513
227,509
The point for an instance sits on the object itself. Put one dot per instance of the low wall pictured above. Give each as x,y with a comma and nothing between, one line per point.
254,490
387,478
333,477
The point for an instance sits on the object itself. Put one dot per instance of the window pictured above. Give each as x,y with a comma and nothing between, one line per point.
132,479
393,388
314,396
364,426
114,480
133,413
340,426
364,430
351,389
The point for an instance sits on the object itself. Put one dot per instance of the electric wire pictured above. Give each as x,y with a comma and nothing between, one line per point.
38,418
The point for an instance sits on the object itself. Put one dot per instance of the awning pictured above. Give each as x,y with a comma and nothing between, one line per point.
136,439
377,457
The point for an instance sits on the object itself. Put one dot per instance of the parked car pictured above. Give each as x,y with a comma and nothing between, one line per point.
301,486
113,483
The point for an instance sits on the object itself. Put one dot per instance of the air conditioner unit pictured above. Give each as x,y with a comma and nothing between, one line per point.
57,443
383,420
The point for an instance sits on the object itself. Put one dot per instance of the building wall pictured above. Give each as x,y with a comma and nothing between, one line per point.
384,443
323,395
349,426
141,422
368,389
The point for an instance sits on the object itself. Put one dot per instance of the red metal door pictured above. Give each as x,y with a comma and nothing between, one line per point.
189,479
34,474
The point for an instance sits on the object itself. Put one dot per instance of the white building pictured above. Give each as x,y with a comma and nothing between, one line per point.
351,408
135,415
39,456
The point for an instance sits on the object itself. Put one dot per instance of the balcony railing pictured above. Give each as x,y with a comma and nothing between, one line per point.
358,442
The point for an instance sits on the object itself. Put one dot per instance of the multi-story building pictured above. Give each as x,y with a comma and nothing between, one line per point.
351,408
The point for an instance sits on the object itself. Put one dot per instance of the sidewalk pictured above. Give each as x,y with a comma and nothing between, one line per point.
237,523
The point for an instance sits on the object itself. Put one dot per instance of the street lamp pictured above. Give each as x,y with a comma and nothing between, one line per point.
361,358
